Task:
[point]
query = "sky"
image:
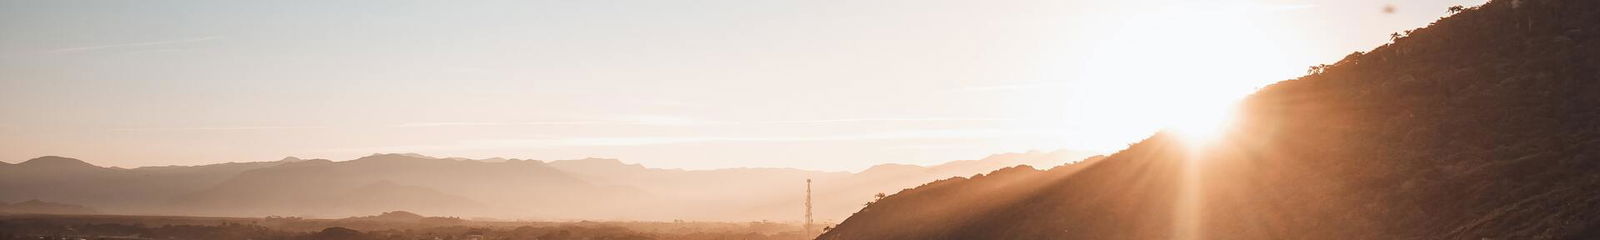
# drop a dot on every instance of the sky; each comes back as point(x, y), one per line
point(695, 84)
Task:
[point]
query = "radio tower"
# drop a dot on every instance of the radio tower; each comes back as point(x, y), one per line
point(808, 208)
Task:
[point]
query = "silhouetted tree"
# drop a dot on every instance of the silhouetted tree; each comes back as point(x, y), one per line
point(1318, 69)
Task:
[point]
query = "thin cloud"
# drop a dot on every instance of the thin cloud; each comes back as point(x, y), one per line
point(1008, 87)
point(676, 121)
point(468, 70)
point(666, 120)
point(136, 44)
point(910, 134)
point(226, 128)
point(1288, 7)
point(534, 143)
point(644, 120)
point(860, 120)
point(469, 124)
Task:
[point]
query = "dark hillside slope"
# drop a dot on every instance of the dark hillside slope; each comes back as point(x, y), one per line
point(1484, 125)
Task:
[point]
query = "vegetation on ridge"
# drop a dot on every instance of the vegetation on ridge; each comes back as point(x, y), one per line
point(1481, 125)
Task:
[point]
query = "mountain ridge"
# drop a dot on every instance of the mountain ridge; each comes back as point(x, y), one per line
point(1479, 126)
point(55, 162)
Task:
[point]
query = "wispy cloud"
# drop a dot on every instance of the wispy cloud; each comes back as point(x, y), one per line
point(535, 143)
point(667, 120)
point(680, 121)
point(469, 124)
point(926, 147)
point(1287, 7)
point(641, 121)
point(891, 135)
point(1008, 87)
point(136, 44)
point(224, 128)
point(863, 120)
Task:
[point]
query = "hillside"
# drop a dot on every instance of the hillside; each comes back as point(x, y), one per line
point(1479, 126)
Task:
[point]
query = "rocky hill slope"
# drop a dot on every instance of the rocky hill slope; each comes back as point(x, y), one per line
point(1483, 125)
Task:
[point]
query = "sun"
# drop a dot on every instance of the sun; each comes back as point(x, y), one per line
point(1203, 127)
point(1180, 69)
point(1184, 70)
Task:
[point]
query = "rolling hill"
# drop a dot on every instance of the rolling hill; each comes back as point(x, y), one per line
point(1482, 125)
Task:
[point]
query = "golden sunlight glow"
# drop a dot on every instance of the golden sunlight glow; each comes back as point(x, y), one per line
point(1204, 125)
point(1181, 68)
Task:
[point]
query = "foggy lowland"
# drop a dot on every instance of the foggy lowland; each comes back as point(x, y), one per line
point(780, 119)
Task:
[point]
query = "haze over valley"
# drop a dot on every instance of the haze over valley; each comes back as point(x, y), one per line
point(507, 189)
point(784, 120)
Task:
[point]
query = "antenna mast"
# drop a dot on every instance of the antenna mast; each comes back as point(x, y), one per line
point(808, 208)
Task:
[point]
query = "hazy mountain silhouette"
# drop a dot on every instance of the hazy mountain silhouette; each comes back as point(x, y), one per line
point(395, 219)
point(505, 188)
point(1480, 126)
point(139, 190)
point(398, 181)
point(56, 163)
point(761, 193)
point(395, 216)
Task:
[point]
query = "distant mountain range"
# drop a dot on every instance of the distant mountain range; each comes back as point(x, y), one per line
point(139, 190)
point(599, 189)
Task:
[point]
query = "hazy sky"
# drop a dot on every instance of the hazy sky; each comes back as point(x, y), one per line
point(836, 85)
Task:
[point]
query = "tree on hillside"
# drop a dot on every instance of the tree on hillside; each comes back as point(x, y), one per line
point(1318, 69)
